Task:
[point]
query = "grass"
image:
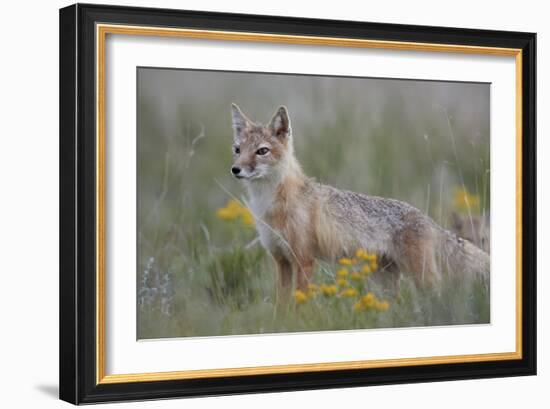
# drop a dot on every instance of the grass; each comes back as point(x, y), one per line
point(201, 271)
point(233, 293)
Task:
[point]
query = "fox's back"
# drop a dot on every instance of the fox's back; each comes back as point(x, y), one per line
point(358, 220)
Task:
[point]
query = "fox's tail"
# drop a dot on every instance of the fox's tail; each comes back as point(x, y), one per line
point(460, 256)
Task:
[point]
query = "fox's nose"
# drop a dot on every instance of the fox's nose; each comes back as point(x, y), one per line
point(235, 170)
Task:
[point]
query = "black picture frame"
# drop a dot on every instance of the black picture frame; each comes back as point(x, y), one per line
point(78, 313)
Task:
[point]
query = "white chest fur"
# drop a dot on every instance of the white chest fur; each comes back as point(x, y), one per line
point(261, 204)
point(261, 199)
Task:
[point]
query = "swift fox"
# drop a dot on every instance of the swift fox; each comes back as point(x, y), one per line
point(300, 220)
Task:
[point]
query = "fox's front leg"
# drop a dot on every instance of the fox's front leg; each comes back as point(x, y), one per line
point(284, 278)
point(304, 274)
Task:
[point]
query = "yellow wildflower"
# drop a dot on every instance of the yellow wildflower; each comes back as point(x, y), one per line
point(358, 306)
point(234, 210)
point(342, 273)
point(368, 300)
point(311, 290)
point(356, 276)
point(329, 290)
point(382, 305)
point(349, 292)
point(247, 218)
point(366, 269)
point(225, 214)
point(342, 282)
point(466, 201)
point(365, 255)
point(373, 266)
point(345, 261)
point(300, 297)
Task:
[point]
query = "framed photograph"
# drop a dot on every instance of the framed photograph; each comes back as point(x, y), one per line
point(257, 203)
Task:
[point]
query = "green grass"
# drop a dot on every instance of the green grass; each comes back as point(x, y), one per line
point(202, 276)
point(232, 292)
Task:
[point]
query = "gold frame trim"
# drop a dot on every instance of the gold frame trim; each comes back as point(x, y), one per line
point(101, 33)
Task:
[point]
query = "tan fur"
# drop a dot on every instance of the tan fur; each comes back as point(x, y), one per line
point(300, 220)
point(282, 219)
point(474, 228)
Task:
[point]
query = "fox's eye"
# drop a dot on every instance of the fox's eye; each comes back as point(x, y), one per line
point(237, 150)
point(262, 151)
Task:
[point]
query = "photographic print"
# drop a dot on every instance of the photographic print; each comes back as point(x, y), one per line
point(266, 203)
point(272, 203)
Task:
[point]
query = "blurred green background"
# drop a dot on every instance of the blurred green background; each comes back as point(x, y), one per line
point(418, 141)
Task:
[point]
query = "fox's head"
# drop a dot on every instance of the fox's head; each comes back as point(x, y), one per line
point(260, 151)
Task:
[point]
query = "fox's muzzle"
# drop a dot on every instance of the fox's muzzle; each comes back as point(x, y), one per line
point(236, 171)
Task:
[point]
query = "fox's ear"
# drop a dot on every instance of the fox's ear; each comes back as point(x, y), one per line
point(239, 120)
point(280, 123)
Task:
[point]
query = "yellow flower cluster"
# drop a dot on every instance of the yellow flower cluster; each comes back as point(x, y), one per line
point(234, 210)
point(362, 265)
point(349, 282)
point(465, 201)
point(346, 261)
point(350, 292)
point(356, 276)
point(328, 290)
point(312, 288)
point(370, 302)
point(302, 296)
point(342, 273)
